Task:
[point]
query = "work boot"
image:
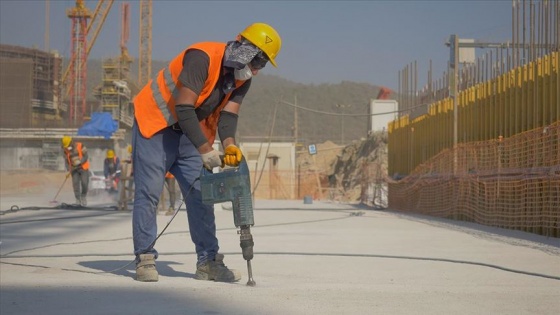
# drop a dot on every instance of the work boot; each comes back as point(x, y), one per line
point(146, 269)
point(78, 202)
point(83, 201)
point(217, 271)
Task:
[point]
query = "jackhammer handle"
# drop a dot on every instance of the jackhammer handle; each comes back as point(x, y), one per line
point(205, 171)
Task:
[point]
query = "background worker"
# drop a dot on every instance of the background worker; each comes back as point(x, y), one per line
point(177, 115)
point(111, 165)
point(77, 164)
point(170, 184)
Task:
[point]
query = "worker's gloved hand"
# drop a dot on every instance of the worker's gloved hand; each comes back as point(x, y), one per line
point(233, 155)
point(211, 159)
point(76, 161)
point(77, 168)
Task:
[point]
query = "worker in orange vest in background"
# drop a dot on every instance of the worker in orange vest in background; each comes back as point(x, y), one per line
point(111, 168)
point(76, 158)
point(170, 183)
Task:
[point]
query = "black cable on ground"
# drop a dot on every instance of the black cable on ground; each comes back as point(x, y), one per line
point(528, 273)
point(108, 209)
point(67, 206)
point(435, 259)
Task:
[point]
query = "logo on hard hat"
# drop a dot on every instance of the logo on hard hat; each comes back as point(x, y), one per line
point(268, 40)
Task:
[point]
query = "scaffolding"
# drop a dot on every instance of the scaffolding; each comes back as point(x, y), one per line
point(114, 92)
point(30, 91)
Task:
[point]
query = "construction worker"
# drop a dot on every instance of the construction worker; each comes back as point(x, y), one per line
point(111, 165)
point(170, 184)
point(177, 115)
point(77, 164)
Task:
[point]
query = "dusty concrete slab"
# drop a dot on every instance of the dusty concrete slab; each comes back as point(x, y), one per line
point(322, 258)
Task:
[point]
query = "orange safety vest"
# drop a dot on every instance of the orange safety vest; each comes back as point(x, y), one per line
point(154, 106)
point(80, 153)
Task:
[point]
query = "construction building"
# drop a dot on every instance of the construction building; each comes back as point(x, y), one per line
point(115, 94)
point(33, 116)
point(117, 87)
point(29, 88)
point(40, 102)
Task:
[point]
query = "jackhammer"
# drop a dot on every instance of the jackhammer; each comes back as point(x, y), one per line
point(233, 184)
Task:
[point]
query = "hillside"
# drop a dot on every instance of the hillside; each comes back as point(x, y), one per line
point(269, 94)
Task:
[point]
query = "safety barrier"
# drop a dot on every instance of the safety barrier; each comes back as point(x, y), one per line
point(505, 169)
point(506, 182)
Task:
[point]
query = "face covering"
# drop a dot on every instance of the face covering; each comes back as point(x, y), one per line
point(243, 74)
point(238, 54)
point(69, 148)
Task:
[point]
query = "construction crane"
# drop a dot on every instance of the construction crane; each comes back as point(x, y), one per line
point(114, 92)
point(125, 32)
point(83, 39)
point(145, 50)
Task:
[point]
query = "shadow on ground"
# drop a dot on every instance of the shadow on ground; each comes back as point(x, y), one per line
point(128, 268)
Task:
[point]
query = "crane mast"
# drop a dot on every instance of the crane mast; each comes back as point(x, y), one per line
point(78, 68)
point(145, 50)
point(83, 38)
point(125, 32)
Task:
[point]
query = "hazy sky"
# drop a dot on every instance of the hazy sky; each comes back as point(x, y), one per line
point(322, 41)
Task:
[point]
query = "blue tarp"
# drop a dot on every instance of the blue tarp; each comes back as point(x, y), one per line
point(101, 124)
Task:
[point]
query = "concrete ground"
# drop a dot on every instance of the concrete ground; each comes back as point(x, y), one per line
point(319, 258)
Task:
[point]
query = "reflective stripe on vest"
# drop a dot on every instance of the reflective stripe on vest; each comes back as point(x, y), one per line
point(154, 105)
point(77, 149)
point(161, 103)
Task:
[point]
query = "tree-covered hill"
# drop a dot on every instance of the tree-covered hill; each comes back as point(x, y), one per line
point(268, 105)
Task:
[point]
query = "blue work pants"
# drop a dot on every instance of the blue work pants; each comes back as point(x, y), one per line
point(169, 150)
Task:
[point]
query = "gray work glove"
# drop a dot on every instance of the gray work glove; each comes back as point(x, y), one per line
point(211, 159)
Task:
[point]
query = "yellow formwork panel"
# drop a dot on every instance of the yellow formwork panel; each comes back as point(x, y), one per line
point(522, 99)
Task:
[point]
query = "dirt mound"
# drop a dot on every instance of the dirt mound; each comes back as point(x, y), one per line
point(357, 165)
point(29, 181)
point(327, 154)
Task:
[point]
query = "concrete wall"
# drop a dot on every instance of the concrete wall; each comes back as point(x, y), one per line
point(16, 91)
point(20, 158)
point(256, 154)
point(27, 154)
point(381, 113)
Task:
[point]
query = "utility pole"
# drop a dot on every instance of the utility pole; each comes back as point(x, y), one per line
point(295, 122)
point(453, 70)
point(47, 25)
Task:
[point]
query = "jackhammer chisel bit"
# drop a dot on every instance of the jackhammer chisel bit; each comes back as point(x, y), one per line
point(233, 185)
point(247, 248)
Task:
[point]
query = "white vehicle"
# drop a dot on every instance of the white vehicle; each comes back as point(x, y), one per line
point(97, 182)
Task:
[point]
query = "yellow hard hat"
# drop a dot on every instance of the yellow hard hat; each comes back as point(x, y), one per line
point(265, 38)
point(129, 148)
point(66, 140)
point(110, 154)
